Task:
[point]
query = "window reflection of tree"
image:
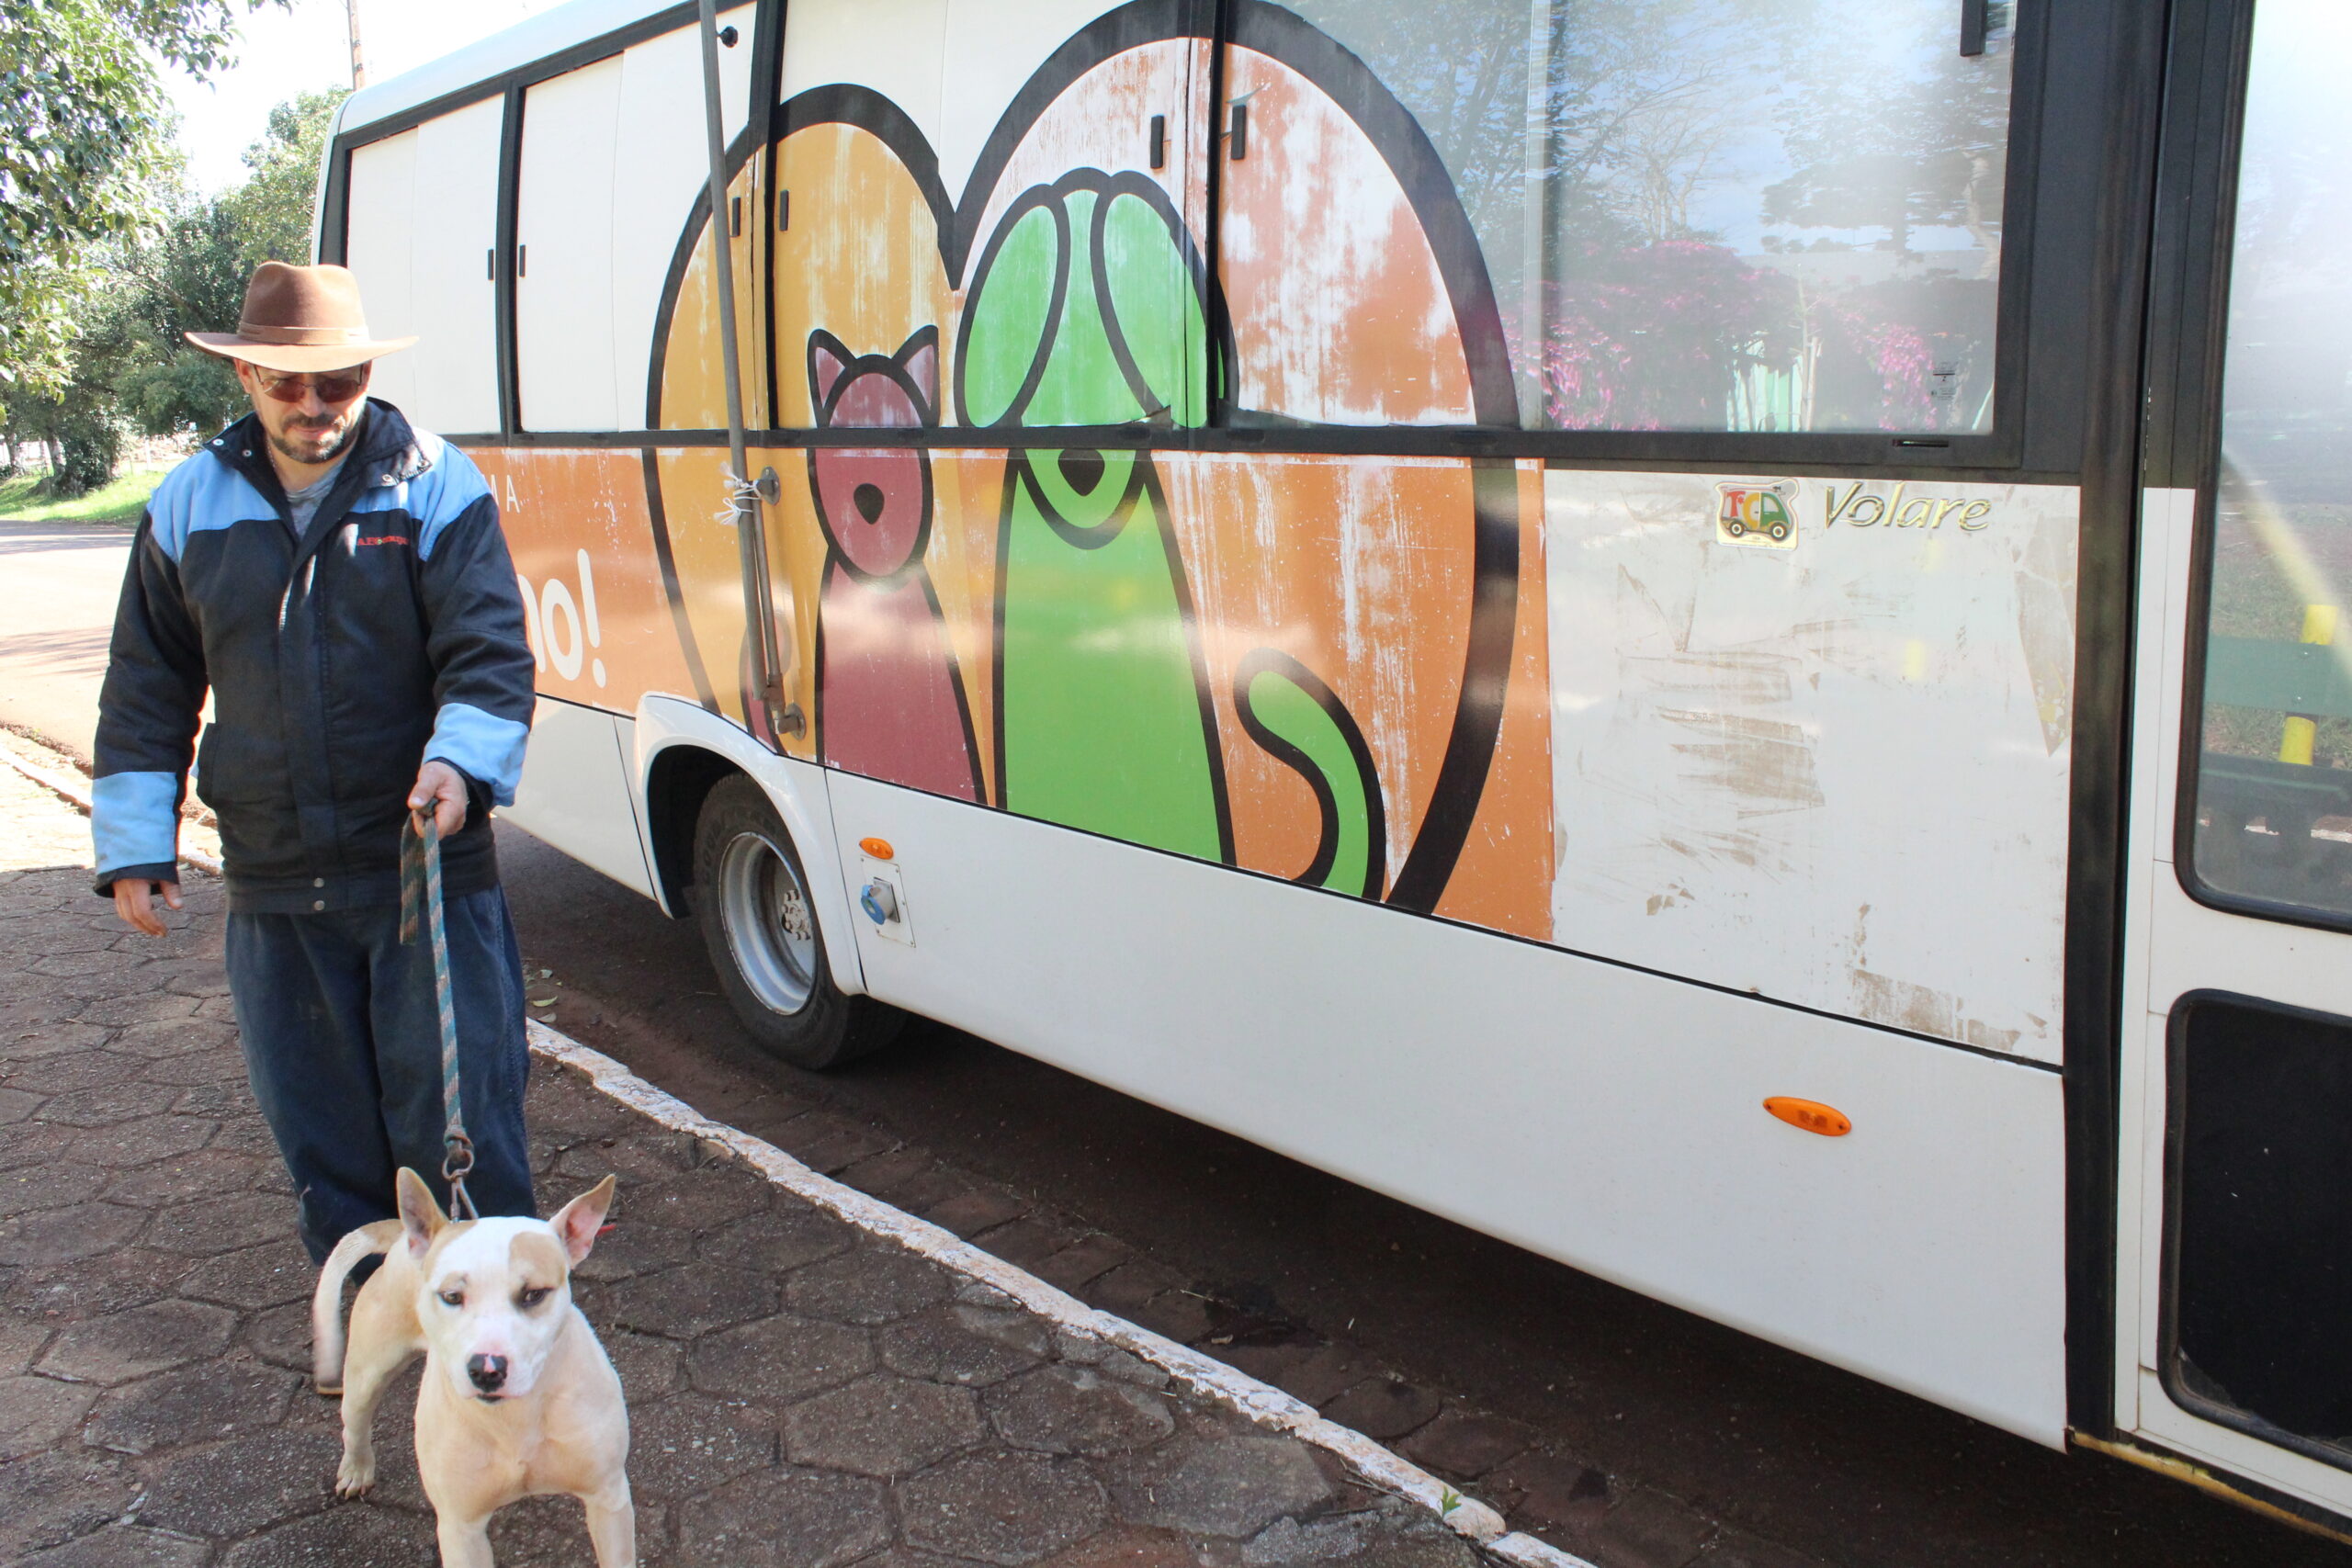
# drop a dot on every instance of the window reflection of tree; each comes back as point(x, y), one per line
point(1690, 168)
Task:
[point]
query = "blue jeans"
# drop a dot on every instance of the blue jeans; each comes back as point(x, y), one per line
point(342, 1044)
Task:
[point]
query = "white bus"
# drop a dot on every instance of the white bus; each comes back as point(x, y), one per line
point(1702, 633)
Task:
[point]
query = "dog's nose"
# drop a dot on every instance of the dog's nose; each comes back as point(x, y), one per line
point(488, 1372)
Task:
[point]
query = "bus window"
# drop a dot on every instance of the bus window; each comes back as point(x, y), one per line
point(379, 247)
point(425, 220)
point(589, 267)
point(564, 268)
point(1719, 215)
point(2273, 777)
point(842, 167)
point(876, 89)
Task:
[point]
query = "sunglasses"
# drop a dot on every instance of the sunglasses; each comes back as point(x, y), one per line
point(340, 387)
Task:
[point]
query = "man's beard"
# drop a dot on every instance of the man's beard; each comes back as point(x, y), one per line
point(293, 446)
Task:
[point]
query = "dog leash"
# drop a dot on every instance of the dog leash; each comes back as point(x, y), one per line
point(420, 895)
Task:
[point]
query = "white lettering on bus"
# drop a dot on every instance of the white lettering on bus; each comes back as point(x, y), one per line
point(588, 614)
point(581, 629)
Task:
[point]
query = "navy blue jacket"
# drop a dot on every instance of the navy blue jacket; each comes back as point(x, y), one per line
point(391, 632)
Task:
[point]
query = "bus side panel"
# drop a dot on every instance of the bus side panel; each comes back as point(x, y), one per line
point(588, 552)
point(1803, 737)
point(1812, 739)
point(1603, 1116)
point(575, 790)
point(604, 633)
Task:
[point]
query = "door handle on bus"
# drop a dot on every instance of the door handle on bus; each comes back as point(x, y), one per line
point(1237, 140)
point(1159, 141)
point(1976, 21)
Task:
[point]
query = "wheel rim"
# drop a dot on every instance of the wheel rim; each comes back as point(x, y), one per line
point(770, 929)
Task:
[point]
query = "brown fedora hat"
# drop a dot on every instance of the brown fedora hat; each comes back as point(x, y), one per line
point(299, 319)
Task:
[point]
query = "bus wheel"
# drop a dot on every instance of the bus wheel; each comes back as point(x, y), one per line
point(752, 901)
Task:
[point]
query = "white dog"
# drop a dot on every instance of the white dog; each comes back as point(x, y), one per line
point(518, 1400)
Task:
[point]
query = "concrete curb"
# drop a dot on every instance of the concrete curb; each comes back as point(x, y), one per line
point(1262, 1403)
point(75, 792)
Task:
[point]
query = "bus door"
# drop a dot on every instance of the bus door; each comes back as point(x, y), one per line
point(2234, 1279)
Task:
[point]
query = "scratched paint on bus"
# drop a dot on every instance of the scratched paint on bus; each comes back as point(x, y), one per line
point(1835, 775)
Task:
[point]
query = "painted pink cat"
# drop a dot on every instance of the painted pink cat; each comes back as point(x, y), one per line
point(890, 701)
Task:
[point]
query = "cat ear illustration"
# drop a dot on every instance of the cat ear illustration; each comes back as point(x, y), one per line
point(827, 357)
point(918, 357)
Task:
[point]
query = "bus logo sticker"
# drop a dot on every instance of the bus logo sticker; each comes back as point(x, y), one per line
point(1760, 514)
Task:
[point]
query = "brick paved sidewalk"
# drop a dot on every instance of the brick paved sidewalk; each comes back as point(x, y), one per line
point(802, 1393)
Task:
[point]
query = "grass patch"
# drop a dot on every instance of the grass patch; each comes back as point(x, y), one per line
point(120, 499)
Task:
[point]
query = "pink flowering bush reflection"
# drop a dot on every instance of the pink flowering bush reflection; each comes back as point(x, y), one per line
point(1684, 334)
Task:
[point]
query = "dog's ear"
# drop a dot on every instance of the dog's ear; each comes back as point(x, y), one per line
point(421, 1217)
point(576, 1223)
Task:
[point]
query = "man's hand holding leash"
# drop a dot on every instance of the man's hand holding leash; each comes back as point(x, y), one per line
point(439, 787)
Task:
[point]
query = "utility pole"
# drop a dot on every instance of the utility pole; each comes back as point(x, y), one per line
point(358, 60)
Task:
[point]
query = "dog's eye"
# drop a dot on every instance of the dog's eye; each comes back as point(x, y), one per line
point(532, 1295)
point(453, 1297)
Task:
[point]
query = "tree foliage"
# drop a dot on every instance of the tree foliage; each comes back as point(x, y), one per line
point(128, 367)
point(1662, 190)
point(190, 276)
point(84, 139)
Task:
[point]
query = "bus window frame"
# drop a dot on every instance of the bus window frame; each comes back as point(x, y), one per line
point(2055, 185)
point(2189, 320)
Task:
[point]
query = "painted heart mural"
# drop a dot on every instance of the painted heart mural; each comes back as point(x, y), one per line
point(1293, 664)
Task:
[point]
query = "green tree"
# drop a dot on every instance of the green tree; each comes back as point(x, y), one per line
point(83, 135)
point(190, 274)
point(128, 367)
point(274, 209)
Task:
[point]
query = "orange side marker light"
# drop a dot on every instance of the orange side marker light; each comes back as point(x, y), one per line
point(879, 847)
point(1810, 1114)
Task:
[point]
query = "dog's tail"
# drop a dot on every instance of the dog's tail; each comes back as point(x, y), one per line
point(326, 1300)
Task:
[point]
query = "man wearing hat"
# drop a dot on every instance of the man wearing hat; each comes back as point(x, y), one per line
point(336, 579)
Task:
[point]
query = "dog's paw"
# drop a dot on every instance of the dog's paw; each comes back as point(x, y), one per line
point(355, 1476)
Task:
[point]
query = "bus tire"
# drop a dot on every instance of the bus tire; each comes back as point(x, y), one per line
point(752, 900)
